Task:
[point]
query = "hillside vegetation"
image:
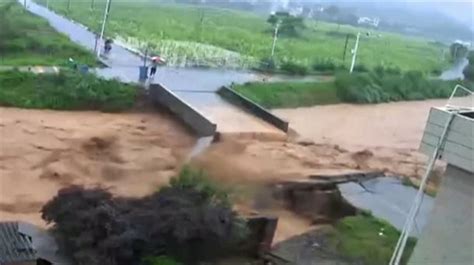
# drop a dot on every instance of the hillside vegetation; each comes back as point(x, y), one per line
point(26, 39)
point(193, 35)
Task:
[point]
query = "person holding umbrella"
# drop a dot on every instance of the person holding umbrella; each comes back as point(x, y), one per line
point(155, 61)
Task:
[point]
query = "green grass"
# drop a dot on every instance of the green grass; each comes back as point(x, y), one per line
point(357, 237)
point(64, 91)
point(178, 34)
point(26, 39)
point(289, 94)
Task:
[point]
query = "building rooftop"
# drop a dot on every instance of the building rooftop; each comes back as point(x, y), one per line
point(15, 246)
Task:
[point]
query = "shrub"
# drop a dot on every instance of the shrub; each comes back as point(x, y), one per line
point(181, 221)
point(379, 86)
point(360, 68)
point(468, 72)
point(324, 65)
point(268, 64)
point(436, 72)
point(294, 68)
point(65, 91)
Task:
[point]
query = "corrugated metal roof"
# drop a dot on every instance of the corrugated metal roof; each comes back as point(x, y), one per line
point(14, 246)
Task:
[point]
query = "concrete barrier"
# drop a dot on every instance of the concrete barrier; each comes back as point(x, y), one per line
point(247, 104)
point(190, 116)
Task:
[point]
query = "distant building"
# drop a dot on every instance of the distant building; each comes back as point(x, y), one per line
point(25, 244)
point(367, 21)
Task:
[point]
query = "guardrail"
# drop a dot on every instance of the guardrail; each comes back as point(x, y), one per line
point(252, 107)
point(189, 115)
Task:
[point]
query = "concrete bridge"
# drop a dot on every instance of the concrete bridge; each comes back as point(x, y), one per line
point(193, 90)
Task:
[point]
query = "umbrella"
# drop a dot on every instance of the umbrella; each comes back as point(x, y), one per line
point(158, 59)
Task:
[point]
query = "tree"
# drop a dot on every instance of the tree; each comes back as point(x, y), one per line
point(288, 25)
point(468, 71)
point(457, 51)
point(190, 220)
point(332, 11)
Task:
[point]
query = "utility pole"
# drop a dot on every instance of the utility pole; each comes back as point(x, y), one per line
point(47, 4)
point(24, 3)
point(275, 36)
point(354, 53)
point(106, 14)
point(92, 4)
point(345, 49)
point(68, 5)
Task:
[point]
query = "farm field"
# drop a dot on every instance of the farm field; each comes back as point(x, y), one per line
point(193, 35)
point(26, 39)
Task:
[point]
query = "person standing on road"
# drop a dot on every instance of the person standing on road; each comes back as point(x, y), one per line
point(154, 65)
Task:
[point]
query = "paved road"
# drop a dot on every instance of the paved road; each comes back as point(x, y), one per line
point(196, 87)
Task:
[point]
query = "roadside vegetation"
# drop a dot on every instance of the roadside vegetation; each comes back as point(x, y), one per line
point(67, 90)
point(380, 85)
point(205, 36)
point(368, 239)
point(26, 39)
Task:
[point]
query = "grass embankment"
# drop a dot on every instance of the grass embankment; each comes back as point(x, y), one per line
point(360, 88)
point(289, 94)
point(196, 33)
point(64, 91)
point(26, 39)
point(368, 239)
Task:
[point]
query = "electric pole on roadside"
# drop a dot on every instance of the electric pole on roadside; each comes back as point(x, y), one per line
point(47, 3)
point(68, 5)
point(275, 36)
point(345, 48)
point(354, 53)
point(102, 31)
point(92, 4)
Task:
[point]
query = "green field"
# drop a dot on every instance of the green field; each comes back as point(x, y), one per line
point(193, 35)
point(290, 94)
point(26, 39)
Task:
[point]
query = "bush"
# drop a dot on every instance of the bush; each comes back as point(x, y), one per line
point(294, 68)
point(181, 221)
point(380, 86)
point(468, 72)
point(65, 91)
point(361, 68)
point(324, 65)
point(268, 64)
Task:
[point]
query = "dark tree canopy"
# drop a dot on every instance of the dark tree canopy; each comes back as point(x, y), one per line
point(184, 220)
point(288, 25)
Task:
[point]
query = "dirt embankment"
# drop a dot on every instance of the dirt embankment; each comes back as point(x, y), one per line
point(42, 151)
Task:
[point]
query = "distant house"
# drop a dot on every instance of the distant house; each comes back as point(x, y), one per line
point(367, 21)
point(25, 244)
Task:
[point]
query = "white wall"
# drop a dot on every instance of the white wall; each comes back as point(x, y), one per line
point(448, 238)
